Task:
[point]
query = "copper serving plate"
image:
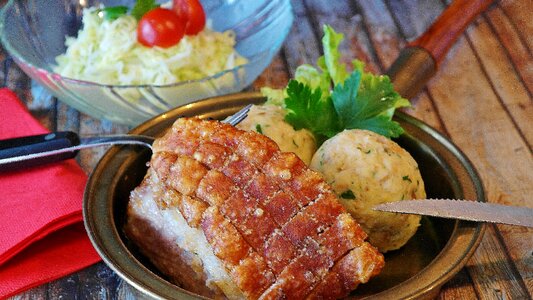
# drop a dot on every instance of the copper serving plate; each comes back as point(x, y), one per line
point(439, 250)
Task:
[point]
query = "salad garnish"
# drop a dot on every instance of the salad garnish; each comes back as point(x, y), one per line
point(142, 7)
point(160, 26)
point(107, 52)
point(112, 13)
point(358, 100)
point(193, 12)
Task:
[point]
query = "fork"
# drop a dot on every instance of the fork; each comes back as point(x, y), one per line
point(29, 151)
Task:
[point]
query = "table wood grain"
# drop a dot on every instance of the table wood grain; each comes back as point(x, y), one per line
point(481, 98)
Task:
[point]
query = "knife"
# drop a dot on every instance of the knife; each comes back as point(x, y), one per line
point(463, 210)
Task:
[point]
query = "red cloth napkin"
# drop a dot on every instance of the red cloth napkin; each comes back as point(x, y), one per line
point(41, 236)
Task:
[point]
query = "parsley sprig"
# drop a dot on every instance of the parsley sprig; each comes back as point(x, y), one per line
point(307, 109)
point(358, 100)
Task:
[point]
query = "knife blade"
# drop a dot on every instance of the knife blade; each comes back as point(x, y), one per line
point(463, 210)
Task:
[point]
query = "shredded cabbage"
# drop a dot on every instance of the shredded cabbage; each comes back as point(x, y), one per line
point(107, 52)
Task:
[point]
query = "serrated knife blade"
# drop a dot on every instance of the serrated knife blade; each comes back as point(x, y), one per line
point(463, 210)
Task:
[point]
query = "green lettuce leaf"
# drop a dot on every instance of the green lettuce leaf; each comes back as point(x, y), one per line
point(274, 96)
point(330, 45)
point(314, 78)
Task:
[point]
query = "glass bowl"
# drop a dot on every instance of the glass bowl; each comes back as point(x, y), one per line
point(34, 31)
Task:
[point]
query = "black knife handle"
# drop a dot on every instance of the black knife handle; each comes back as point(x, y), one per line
point(28, 145)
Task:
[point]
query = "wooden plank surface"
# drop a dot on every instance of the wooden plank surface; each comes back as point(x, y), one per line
point(481, 98)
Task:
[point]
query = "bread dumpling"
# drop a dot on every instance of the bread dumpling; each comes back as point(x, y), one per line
point(270, 121)
point(366, 169)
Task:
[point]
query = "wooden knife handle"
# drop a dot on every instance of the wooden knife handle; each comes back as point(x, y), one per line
point(419, 61)
point(443, 33)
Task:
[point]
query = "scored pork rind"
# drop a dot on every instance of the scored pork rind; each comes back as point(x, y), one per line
point(275, 226)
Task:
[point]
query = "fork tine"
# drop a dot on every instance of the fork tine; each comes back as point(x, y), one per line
point(238, 116)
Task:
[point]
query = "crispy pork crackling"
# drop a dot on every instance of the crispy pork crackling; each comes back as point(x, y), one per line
point(225, 214)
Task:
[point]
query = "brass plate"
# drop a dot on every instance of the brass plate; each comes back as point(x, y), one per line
point(434, 255)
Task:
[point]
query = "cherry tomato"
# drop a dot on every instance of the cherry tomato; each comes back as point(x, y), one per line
point(160, 27)
point(191, 11)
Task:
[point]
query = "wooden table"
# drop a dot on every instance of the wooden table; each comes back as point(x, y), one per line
point(481, 99)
